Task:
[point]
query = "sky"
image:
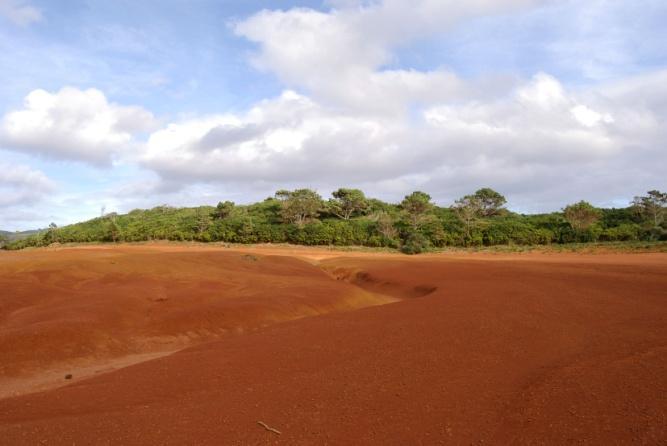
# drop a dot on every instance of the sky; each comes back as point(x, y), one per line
point(111, 106)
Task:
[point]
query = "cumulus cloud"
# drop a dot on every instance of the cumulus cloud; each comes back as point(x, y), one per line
point(302, 43)
point(339, 55)
point(353, 107)
point(540, 134)
point(20, 12)
point(349, 117)
point(277, 140)
point(73, 124)
point(539, 123)
point(20, 184)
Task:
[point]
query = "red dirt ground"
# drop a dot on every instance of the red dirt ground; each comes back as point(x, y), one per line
point(75, 309)
point(472, 349)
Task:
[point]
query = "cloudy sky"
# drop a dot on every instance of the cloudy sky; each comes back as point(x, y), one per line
point(127, 104)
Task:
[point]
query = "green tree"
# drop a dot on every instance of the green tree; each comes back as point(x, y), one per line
point(51, 235)
point(299, 206)
point(224, 210)
point(113, 229)
point(581, 215)
point(415, 207)
point(202, 221)
point(347, 202)
point(490, 202)
point(468, 210)
point(651, 206)
point(417, 213)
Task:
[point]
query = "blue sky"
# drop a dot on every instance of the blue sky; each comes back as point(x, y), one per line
point(131, 104)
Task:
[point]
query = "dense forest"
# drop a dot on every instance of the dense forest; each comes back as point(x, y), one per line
point(350, 218)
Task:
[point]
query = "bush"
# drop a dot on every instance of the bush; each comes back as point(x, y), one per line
point(512, 230)
point(623, 232)
point(415, 243)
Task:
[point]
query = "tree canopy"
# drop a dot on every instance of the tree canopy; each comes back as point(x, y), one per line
point(299, 206)
point(489, 201)
point(350, 218)
point(224, 210)
point(348, 202)
point(652, 206)
point(581, 215)
point(415, 206)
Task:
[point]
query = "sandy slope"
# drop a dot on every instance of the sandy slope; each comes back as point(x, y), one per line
point(481, 349)
point(83, 310)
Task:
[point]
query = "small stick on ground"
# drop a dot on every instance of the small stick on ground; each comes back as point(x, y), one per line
point(264, 425)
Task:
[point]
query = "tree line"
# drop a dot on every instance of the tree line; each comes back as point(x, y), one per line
point(414, 225)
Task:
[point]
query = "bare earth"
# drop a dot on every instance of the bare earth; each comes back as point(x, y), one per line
point(178, 345)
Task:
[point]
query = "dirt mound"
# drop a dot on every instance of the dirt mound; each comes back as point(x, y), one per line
point(71, 309)
point(528, 350)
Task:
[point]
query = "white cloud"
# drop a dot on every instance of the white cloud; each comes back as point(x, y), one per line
point(339, 56)
point(590, 118)
point(349, 117)
point(73, 124)
point(541, 134)
point(20, 185)
point(20, 12)
point(277, 140)
point(540, 123)
point(545, 92)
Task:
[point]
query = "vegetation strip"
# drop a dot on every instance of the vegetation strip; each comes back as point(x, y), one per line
point(349, 218)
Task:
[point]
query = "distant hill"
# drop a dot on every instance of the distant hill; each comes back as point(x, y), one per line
point(18, 235)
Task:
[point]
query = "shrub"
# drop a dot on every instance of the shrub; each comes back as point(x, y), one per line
point(415, 243)
point(623, 232)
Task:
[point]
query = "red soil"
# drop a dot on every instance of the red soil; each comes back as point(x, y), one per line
point(76, 309)
point(526, 349)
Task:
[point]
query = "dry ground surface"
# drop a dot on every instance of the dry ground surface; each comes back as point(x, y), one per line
point(170, 344)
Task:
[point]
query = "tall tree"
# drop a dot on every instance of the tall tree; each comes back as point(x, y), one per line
point(299, 206)
point(581, 215)
point(490, 202)
point(485, 202)
point(51, 235)
point(652, 206)
point(468, 209)
point(202, 220)
point(347, 202)
point(416, 206)
point(114, 229)
point(224, 210)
